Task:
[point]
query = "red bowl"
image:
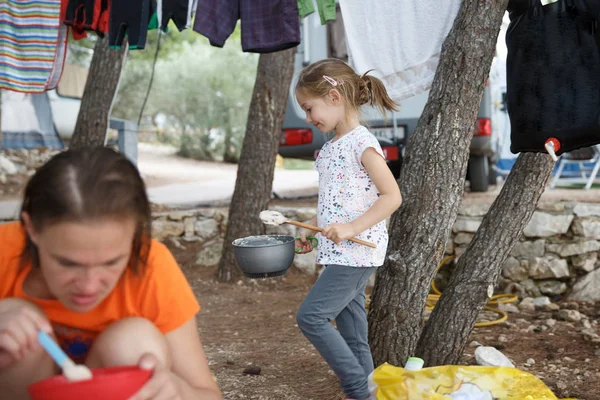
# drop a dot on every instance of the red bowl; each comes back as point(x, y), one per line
point(114, 383)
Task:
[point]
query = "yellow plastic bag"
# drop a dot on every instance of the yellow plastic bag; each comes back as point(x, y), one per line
point(447, 382)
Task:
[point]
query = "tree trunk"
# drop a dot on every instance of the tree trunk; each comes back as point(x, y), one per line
point(254, 183)
point(472, 283)
point(99, 94)
point(432, 181)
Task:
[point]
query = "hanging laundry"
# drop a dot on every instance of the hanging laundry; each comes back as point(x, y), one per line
point(553, 76)
point(130, 18)
point(267, 25)
point(326, 9)
point(180, 11)
point(86, 15)
point(32, 45)
point(400, 39)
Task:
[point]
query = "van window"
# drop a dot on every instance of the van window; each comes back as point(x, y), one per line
point(336, 37)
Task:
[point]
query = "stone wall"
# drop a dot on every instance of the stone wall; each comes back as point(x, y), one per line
point(556, 256)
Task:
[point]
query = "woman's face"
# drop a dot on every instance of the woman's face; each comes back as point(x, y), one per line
point(81, 262)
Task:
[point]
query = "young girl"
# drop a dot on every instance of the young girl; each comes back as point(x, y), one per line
point(357, 192)
point(81, 265)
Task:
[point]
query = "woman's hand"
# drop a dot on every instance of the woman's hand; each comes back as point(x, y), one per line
point(339, 232)
point(19, 326)
point(161, 385)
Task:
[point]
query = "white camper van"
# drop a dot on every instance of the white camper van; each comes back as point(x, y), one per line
point(302, 140)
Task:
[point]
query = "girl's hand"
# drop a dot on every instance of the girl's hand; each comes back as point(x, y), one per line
point(303, 245)
point(339, 232)
point(19, 326)
point(161, 385)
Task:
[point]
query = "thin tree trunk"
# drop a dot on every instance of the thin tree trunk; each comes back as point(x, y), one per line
point(477, 270)
point(254, 183)
point(99, 94)
point(432, 181)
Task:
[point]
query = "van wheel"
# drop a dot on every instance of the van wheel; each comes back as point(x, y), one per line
point(478, 170)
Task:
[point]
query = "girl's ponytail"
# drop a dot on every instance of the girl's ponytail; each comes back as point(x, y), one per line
point(373, 92)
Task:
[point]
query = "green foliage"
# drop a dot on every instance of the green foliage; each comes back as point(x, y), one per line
point(203, 92)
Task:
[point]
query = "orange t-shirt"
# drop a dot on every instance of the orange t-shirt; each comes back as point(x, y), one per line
point(161, 294)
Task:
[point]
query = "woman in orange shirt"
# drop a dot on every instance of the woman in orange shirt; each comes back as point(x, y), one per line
point(82, 266)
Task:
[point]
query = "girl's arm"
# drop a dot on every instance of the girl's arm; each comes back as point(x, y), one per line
point(189, 365)
point(390, 198)
point(388, 201)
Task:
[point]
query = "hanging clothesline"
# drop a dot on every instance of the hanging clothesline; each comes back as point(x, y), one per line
point(34, 34)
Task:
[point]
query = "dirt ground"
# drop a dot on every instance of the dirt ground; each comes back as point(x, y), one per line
point(252, 323)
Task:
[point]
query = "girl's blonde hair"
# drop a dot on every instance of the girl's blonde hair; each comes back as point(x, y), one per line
point(319, 78)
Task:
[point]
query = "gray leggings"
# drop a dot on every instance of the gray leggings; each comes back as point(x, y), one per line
point(339, 294)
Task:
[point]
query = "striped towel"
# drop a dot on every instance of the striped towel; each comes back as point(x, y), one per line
point(30, 40)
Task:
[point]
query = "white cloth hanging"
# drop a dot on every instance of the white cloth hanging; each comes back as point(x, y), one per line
point(400, 39)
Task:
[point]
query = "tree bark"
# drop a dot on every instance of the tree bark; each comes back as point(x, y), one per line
point(432, 181)
point(254, 183)
point(99, 95)
point(477, 270)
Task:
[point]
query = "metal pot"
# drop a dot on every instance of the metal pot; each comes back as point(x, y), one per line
point(264, 256)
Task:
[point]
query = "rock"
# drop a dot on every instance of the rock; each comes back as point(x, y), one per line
point(508, 308)
point(467, 224)
point(586, 324)
point(206, 229)
point(489, 356)
point(569, 315)
point(474, 210)
point(210, 253)
point(527, 304)
point(572, 305)
point(7, 167)
point(463, 238)
point(597, 353)
point(162, 229)
point(551, 323)
point(548, 267)
point(188, 226)
point(587, 227)
point(541, 301)
point(585, 262)
point(459, 251)
point(513, 270)
point(529, 249)
point(530, 288)
point(306, 263)
point(552, 288)
point(180, 215)
point(543, 224)
point(516, 289)
point(552, 307)
point(574, 248)
point(252, 370)
point(587, 210)
point(449, 247)
point(3, 178)
point(502, 339)
point(475, 344)
point(552, 207)
point(530, 362)
point(305, 214)
point(587, 288)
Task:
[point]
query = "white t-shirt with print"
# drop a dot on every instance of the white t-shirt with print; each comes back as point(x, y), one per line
point(345, 193)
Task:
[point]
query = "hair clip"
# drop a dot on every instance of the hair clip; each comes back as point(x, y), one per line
point(331, 80)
